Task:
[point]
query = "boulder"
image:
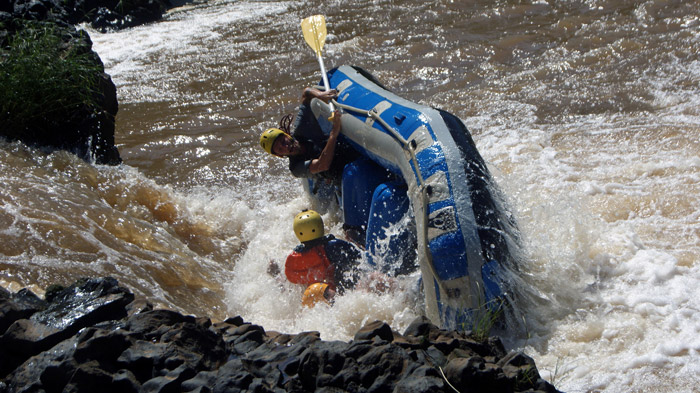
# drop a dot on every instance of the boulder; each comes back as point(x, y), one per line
point(54, 93)
point(91, 337)
point(83, 304)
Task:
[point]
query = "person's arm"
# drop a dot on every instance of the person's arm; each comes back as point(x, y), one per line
point(299, 167)
point(346, 258)
point(310, 93)
point(324, 161)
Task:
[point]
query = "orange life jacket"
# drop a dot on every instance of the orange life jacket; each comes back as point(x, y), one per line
point(310, 266)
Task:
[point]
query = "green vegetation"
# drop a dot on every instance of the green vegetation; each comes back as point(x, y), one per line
point(44, 80)
point(485, 318)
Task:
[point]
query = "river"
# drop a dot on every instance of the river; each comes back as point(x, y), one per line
point(587, 113)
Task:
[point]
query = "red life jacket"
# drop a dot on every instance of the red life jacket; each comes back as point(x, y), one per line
point(310, 266)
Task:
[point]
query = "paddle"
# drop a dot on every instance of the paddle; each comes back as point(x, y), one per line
point(314, 29)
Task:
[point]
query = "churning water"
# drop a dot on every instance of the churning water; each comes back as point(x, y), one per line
point(587, 112)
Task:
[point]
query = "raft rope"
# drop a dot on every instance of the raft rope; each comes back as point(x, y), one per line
point(406, 146)
point(404, 143)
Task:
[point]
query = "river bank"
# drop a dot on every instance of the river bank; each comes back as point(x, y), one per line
point(95, 336)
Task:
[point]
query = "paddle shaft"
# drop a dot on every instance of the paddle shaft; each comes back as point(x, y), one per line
point(325, 79)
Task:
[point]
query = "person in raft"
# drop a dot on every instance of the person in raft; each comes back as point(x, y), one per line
point(321, 258)
point(326, 265)
point(311, 153)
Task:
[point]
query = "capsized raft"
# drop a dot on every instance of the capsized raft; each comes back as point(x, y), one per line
point(465, 239)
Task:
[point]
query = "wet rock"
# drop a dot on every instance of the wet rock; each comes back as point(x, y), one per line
point(201, 383)
point(171, 382)
point(420, 385)
point(475, 373)
point(378, 329)
point(137, 349)
point(420, 327)
point(125, 381)
point(83, 304)
point(17, 306)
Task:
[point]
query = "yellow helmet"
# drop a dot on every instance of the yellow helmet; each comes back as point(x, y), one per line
point(308, 225)
point(313, 294)
point(268, 138)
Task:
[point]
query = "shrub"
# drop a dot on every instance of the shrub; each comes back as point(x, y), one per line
point(45, 81)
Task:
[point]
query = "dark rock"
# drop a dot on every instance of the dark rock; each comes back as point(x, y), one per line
point(248, 341)
point(375, 329)
point(492, 346)
point(164, 351)
point(104, 346)
point(201, 383)
point(18, 306)
point(358, 349)
point(369, 375)
point(435, 356)
point(145, 359)
point(445, 344)
point(197, 339)
point(55, 365)
point(140, 356)
point(474, 373)
point(87, 377)
point(305, 339)
point(84, 127)
point(137, 307)
point(421, 326)
point(522, 369)
point(232, 377)
point(125, 381)
point(237, 320)
point(171, 382)
point(381, 384)
point(349, 375)
point(147, 323)
point(85, 303)
point(104, 15)
point(52, 291)
point(420, 385)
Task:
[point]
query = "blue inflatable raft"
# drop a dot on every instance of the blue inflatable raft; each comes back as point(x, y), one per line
point(422, 157)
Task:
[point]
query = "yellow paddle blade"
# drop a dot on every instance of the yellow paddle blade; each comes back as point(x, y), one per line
point(314, 29)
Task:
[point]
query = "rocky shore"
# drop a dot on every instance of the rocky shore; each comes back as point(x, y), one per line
point(54, 93)
point(94, 336)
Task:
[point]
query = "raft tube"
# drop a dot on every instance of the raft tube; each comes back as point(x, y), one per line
point(463, 235)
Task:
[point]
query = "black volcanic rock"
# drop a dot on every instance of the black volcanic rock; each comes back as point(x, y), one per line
point(91, 337)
